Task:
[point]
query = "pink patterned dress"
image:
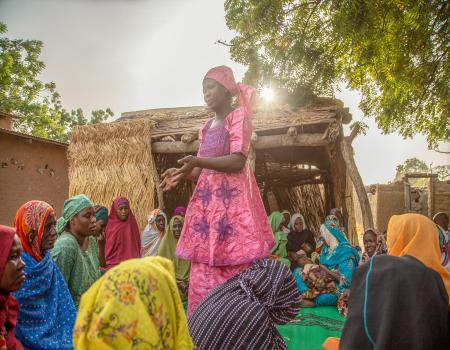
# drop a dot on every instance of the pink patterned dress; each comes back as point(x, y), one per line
point(226, 226)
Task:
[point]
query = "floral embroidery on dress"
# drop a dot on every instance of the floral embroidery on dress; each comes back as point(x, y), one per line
point(226, 192)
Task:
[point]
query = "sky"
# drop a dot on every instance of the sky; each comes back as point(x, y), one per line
point(131, 55)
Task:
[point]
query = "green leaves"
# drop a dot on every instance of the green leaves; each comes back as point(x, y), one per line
point(394, 52)
point(37, 105)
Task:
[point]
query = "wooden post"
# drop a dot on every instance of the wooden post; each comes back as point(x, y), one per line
point(431, 203)
point(353, 173)
point(159, 191)
point(252, 157)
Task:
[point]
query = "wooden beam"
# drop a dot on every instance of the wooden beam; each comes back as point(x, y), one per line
point(419, 175)
point(262, 142)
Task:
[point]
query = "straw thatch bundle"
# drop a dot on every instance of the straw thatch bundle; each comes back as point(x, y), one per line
point(114, 159)
point(307, 200)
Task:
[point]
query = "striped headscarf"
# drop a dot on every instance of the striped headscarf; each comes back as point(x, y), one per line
point(242, 313)
point(31, 218)
point(135, 305)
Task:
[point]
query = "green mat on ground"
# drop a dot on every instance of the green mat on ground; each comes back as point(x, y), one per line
point(312, 327)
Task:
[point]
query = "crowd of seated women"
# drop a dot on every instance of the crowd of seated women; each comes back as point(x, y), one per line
point(90, 280)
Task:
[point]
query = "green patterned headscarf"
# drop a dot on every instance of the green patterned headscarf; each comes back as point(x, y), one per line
point(72, 207)
point(101, 213)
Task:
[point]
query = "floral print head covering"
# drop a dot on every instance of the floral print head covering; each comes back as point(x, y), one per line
point(30, 223)
point(135, 305)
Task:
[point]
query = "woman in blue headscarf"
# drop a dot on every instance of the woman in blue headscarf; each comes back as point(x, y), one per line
point(338, 258)
point(46, 310)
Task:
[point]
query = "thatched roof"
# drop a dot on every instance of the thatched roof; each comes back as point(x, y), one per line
point(175, 122)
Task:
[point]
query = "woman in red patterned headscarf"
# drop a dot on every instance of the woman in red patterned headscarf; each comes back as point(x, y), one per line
point(226, 226)
point(11, 278)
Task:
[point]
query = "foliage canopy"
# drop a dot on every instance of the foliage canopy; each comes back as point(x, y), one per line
point(395, 52)
point(37, 105)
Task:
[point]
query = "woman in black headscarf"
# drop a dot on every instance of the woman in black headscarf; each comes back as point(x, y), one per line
point(242, 313)
point(300, 239)
point(384, 313)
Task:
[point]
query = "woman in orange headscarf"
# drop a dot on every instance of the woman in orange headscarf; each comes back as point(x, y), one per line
point(381, 314)
point(417, 235)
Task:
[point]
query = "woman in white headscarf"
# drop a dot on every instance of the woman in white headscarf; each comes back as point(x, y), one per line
point(153, 233)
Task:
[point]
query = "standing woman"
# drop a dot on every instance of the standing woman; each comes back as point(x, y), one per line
point(153, 233)
point(46, 310)
point(167, 250)
point(123, 240)
point(11, 278)
point(76, 251)
point(226, 227)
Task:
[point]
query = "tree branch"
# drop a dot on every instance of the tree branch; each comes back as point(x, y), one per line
point(223, 43)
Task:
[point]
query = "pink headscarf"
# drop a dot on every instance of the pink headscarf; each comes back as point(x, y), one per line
point(179, 211)
point(8, 304)
point(123, 240)
point(224, 75)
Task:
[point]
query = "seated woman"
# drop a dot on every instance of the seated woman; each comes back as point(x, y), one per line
point(286, 221)
point(133, 306)
point(167, 250)
point(123, 240)
point(416, 235)
point(279, 251)
point(300, 241)
point(374, 244)
point(242, 312)
point(153, 233)
point(101, 220)
point(76, 251)
point(12, 276)
point(338, 259)
point(46, 310)
point(381, 314)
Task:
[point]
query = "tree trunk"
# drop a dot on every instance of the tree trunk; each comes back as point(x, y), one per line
point(353, 173)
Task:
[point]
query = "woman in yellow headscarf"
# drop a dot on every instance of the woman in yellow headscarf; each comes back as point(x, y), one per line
point(135, 305)
point(417, 235)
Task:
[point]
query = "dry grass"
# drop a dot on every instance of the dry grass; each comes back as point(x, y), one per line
point(114, 159)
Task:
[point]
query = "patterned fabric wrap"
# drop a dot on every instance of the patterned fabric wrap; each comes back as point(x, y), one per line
point(46, 310)
point(343, 257)
point(242, 313)
point(133, 306)
point(31, 217)
point(226, 223)
point(72, 207)
point(381, 245)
